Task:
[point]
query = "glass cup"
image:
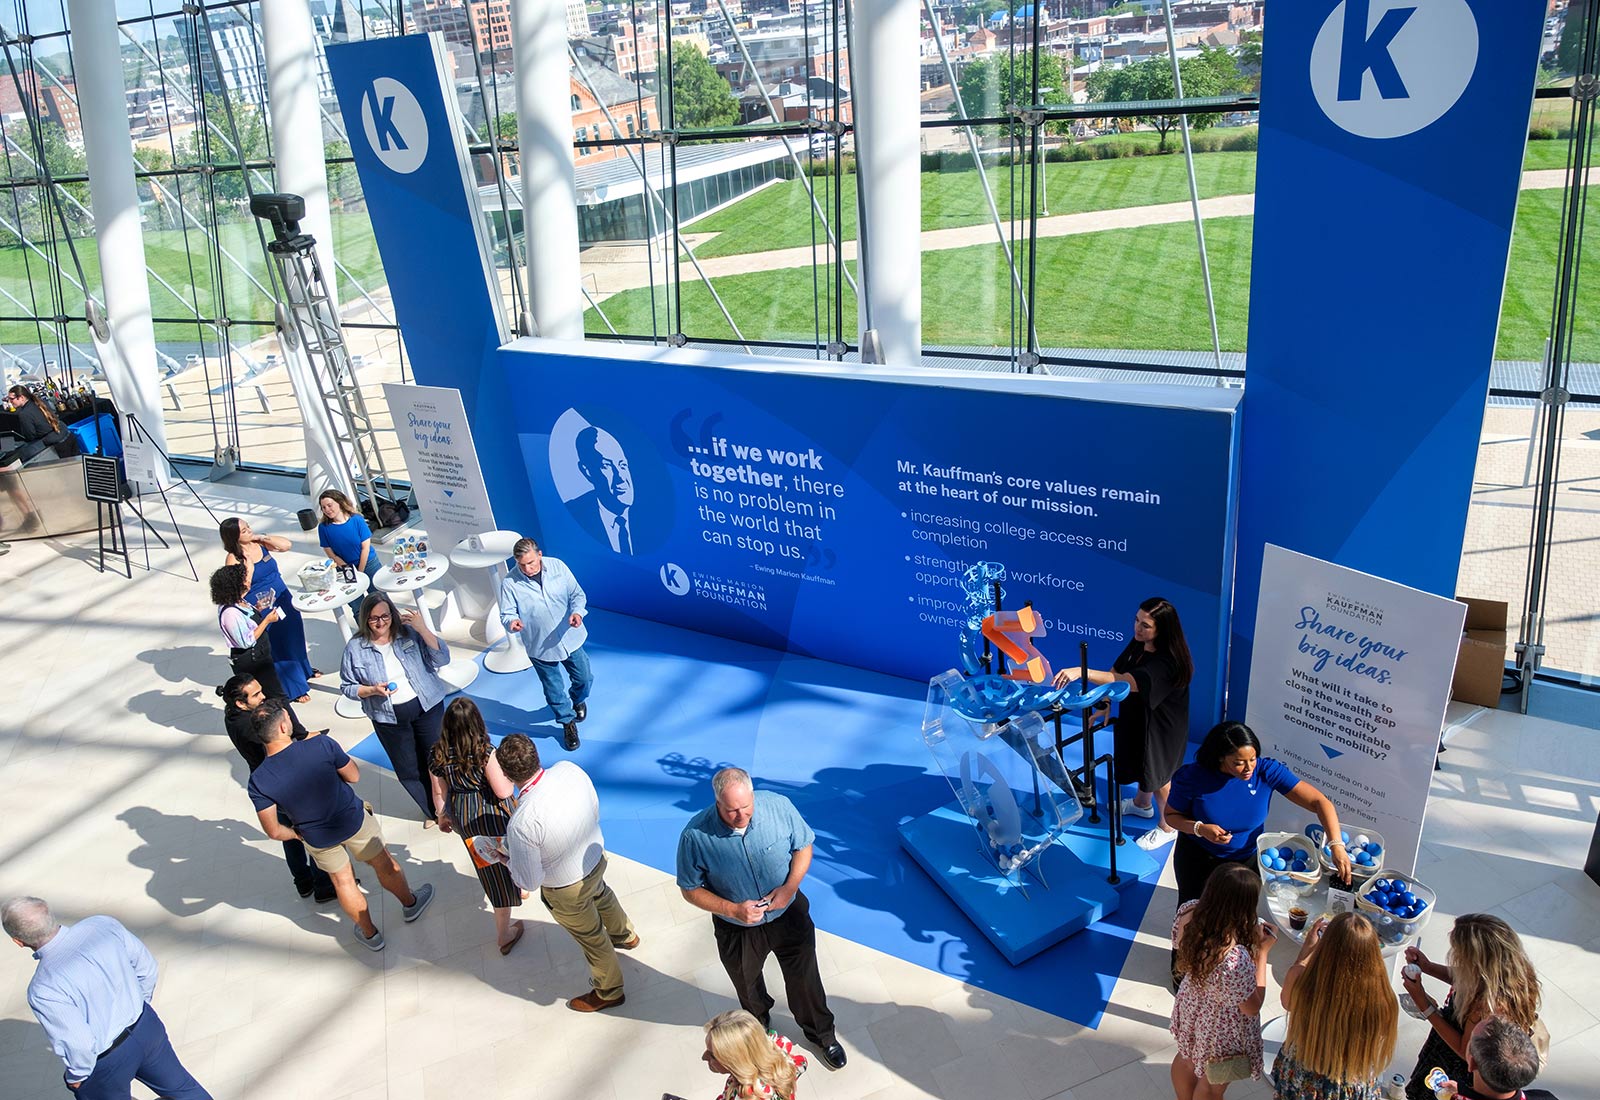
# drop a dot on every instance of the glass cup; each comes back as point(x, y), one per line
point(1297, 918)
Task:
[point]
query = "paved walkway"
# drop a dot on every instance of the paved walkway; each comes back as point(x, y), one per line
point(611, 269)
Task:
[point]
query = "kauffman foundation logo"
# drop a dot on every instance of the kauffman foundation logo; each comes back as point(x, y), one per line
point(395, 126)
point(1388, 68)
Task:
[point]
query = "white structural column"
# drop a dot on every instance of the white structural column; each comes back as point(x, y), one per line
point(886, 69)
point(544, 141)
point(128, 357)
point(289, 42)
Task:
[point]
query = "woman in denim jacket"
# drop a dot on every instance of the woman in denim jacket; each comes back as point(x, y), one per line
point(392, 668)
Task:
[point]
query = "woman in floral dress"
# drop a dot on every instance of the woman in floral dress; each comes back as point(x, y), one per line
point(760, 1064)
point(1222, 957)
point(1343, 1015)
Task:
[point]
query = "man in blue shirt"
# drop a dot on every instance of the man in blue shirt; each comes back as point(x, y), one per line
point(91, 994)
point(742, 861)
point(543, 602)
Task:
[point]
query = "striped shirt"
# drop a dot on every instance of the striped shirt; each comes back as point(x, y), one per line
point(92, 983)
point(554, 837)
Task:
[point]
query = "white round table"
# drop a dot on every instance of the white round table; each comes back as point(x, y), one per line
point(504, 655)
point(458, 673)
point(337, 598)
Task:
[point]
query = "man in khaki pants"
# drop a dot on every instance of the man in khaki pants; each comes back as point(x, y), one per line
point(553, 844)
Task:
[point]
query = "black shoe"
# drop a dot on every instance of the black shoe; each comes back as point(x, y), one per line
point(304, 890)
point(570, 736)
point(581, 710)
point(833, 1055)
point(322, 898)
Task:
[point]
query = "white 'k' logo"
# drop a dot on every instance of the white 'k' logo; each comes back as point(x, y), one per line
point(396, 128)
point(1388, 68)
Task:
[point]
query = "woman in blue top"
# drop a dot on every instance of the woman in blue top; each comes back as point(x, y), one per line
point(1219, 805)
point(344, 534)
point(267, 590)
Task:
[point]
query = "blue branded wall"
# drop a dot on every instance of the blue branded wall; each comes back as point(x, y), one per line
point(1386, 183)
point(406, 140)
point(833, 515)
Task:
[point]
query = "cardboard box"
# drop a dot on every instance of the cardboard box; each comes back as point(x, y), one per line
point(1481, 664)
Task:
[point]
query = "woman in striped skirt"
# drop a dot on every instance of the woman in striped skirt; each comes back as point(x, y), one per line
point(465, 776)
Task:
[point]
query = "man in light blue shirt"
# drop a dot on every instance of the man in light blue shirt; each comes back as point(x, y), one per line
point(542, 601)
point(91, 994)
point(742, 860)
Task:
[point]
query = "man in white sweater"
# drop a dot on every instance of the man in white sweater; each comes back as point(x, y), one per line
point(553, 845)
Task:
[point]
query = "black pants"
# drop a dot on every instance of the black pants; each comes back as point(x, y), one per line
point(409, 741)
point(793, 938)
point(1193, 862)
point(307, 875)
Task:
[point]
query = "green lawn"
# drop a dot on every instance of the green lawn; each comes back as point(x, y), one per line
point(183, 263)
point(1125, 288)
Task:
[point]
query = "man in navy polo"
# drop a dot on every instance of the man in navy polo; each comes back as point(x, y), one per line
point(742, 861)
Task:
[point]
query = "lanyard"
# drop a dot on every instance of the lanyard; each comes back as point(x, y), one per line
point(530, 784)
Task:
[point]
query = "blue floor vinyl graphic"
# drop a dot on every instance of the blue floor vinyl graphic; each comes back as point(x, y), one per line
point(671, 706)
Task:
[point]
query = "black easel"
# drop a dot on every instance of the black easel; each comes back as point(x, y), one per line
point(102, 483)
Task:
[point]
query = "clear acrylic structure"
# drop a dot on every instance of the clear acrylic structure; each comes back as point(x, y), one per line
point(1011, 787)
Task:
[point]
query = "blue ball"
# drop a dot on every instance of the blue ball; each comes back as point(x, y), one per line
point(1279, 865)
point(1301, 865)
point(1266, 859)
point(1344, 836)
point(1375, 848)
point(1364, 859)
point(1285, 851)
point(1422, 903)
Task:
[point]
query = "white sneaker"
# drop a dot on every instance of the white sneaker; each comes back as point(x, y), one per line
point(1156, 838)
point(1133, 809)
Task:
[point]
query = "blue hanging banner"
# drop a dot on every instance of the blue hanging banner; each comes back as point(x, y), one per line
point(1392, 134)
point(406, 139)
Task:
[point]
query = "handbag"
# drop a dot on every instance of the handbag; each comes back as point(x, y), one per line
point(1219, 1071)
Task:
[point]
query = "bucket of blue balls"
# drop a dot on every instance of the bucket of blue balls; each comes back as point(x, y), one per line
point(1397, 905)
point(1365, 847)
point(1288, 863)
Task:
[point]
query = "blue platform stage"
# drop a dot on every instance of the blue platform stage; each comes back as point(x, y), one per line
point(670, 706)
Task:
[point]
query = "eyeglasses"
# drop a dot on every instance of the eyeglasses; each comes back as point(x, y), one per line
point(376, 619)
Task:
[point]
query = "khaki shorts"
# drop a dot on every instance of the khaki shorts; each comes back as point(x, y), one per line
point(365, 845)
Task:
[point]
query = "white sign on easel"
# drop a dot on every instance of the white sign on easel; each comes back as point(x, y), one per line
point(436, 440)
point(141, 461)
point(1349, 681)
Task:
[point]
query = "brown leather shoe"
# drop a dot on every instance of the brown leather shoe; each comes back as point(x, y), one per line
point(628, 944)
point(593, 1002)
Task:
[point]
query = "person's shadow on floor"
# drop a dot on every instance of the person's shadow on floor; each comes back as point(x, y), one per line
point(188, 859)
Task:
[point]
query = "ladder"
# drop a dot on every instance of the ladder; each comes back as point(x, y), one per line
point(316, 322)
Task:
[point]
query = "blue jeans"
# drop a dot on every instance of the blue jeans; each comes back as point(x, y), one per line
point(560, 696)
point(145, 1055)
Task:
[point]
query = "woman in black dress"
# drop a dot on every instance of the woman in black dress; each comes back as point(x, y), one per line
point(37, 427)
point(465, 776)
point(1152, 725)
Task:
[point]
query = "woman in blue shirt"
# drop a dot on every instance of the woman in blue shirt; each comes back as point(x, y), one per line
point(1219, 806)
point(343, 532)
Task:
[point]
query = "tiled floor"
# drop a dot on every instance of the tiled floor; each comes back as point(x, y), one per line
point(125, 799)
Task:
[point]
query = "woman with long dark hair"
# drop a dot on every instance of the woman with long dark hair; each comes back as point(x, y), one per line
point(246, 630)
point(1221, 948)
point(1152, 726)
point(1218, 805)
point(391, 667)
point(1343, 1015)
point(268, 591)
point(37, 427)
point(466, 780)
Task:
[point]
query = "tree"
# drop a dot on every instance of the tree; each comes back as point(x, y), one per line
point(1569, 48)
point(1249, 59)
point(1214, 72)
point(701, 98)
point(991, 86)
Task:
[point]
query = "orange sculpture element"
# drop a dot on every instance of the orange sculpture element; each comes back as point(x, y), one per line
point(1012, 633)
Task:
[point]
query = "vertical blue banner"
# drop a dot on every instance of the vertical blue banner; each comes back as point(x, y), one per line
point(1392, 134)
point(405, 137)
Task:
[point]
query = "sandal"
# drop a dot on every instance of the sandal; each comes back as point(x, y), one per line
point(505, 948)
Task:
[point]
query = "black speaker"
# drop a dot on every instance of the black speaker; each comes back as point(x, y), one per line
point(308, 519)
